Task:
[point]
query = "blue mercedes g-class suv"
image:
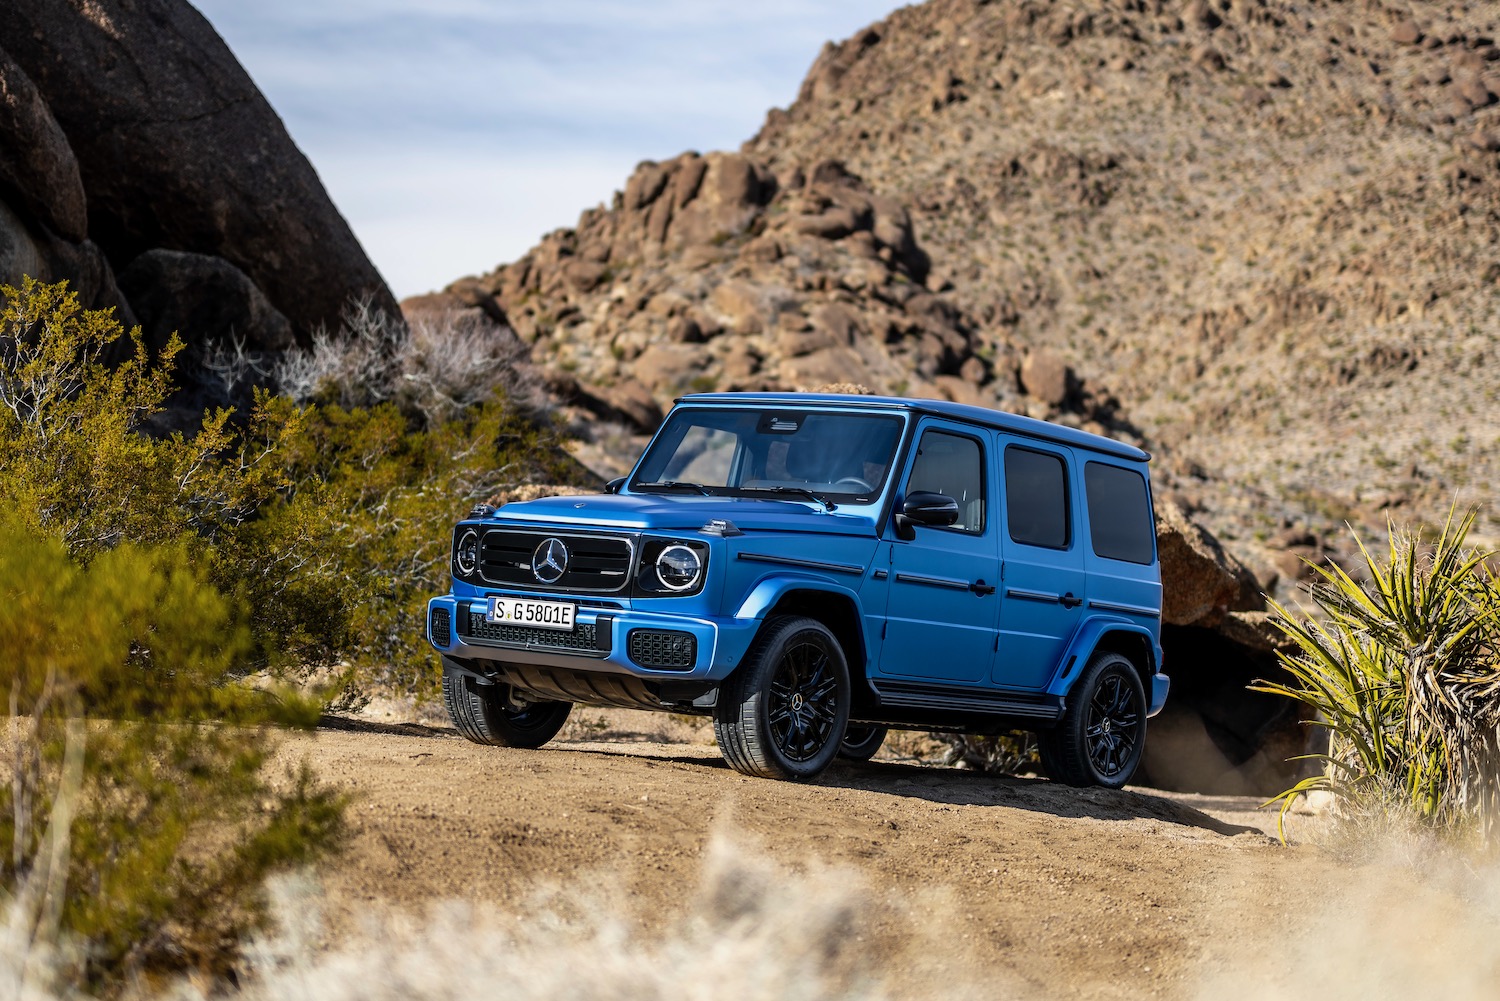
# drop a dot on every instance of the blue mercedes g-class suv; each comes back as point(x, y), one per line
point(813, 569)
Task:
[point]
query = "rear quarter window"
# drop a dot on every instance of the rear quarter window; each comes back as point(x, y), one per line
point(1120, 522)
point(1036, 498)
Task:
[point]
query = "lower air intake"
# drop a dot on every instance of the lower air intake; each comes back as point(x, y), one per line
point(663, 650)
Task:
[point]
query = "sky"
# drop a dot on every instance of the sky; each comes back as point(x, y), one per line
point(452, 134)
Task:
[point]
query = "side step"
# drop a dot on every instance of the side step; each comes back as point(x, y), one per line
point(952, 698)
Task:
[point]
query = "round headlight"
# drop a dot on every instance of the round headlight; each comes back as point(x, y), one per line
point(678, 567)
point(466, 553)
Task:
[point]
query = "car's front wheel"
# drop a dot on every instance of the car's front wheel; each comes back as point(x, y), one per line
point(492, 714)
point(782, 715)
point(1101, 737)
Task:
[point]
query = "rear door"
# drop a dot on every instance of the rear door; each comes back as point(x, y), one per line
point(1121, 558)
point(1045, 584)
point(941, 614)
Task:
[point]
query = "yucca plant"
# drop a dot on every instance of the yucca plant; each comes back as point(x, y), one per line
point(1403, 669)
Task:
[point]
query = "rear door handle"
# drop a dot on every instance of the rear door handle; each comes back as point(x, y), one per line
point(980, 588)
point(1068, 601)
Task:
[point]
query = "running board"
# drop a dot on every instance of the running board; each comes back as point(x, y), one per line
point(950, 698)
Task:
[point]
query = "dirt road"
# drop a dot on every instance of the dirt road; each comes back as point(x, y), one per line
point(1044, 889)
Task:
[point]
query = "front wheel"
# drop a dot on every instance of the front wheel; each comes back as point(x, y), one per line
point(783, 713)
point(492, 714)
point(1102, 735)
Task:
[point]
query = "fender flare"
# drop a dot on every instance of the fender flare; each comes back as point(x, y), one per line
point(1086, 640)
point(768, 591)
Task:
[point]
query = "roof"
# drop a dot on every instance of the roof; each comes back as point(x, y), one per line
point(998, 419)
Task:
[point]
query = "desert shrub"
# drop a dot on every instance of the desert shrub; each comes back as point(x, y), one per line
point(1001, 754)
point(778, 936)
point(381, 498)
point(433, 368)
point(138, 819)
point(330, 521)
point(76, 465)
point(1403, 669)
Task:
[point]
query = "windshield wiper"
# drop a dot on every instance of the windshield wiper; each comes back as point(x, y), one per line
point(796, 492)
point(674, 485)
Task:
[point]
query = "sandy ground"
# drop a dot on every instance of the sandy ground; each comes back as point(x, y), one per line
point(1044, 890)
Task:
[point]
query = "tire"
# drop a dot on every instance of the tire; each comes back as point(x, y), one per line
point(485, 715)
point(782, 714)
point(1102, 734)
point(861, 742)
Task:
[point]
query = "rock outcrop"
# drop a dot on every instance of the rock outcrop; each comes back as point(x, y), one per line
point(711, 272)
point(129, 131)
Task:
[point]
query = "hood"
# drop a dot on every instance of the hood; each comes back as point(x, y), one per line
point(637, 512)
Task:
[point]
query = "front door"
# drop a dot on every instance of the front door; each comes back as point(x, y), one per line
point(942, 614)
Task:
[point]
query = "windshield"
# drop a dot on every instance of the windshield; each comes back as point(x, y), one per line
point(845, 456)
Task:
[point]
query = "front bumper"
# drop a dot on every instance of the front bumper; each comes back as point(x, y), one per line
point(610, 640)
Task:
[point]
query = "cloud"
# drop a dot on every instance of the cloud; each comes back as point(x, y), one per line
point(543, 108)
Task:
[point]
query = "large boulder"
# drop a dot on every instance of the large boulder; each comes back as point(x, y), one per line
point(37, 167)
point(177, 149)
point(1201, 581)
point(203, 297)
point(27, 249)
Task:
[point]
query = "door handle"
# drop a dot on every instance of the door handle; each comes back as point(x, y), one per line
point(980, 588)
point(1068, 601)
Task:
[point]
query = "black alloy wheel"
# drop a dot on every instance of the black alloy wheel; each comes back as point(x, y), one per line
point(782, 714)
point(861, 741)
point(1114, 726)
point(803, 700)
point(1102, 735)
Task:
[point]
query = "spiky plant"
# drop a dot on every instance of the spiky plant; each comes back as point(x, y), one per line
point(1403, 669)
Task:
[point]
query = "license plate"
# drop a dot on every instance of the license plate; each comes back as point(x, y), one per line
point(534, 614)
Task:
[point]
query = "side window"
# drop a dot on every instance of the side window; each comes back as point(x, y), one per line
point(1036, 498)
point(952, 464)
point(1120, 522)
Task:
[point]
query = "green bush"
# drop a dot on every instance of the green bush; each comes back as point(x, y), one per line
point(138, 817)
point(331, 524)
point(377, 498)
point(75, 465)
point(1403, 670)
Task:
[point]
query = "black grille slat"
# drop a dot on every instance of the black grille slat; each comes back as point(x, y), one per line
point(666, 650)
point(595, 563)
point(582, 637)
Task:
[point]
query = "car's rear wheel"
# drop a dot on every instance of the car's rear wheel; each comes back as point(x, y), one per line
point(782, 715)
point(861, 742)
point(493, 714)
point(1101, 737)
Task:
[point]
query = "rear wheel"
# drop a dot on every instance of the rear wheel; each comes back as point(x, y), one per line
point(861, 742)
point(1103, 732)
point(493, 714)
point(783, 713)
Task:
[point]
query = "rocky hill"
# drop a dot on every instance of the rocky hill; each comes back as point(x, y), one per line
point(1257, 235)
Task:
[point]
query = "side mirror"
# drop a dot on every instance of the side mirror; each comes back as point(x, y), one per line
point(923, 507)
point(614, 485)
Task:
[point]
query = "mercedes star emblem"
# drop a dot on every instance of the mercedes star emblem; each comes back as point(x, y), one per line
point(550, 561)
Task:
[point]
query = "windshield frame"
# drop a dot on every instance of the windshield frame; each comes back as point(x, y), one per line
point(682, 418)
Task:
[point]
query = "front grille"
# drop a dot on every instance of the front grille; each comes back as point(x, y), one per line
point(663, 649)
point(599, 563)
point(583, 637)
point(442, 635)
